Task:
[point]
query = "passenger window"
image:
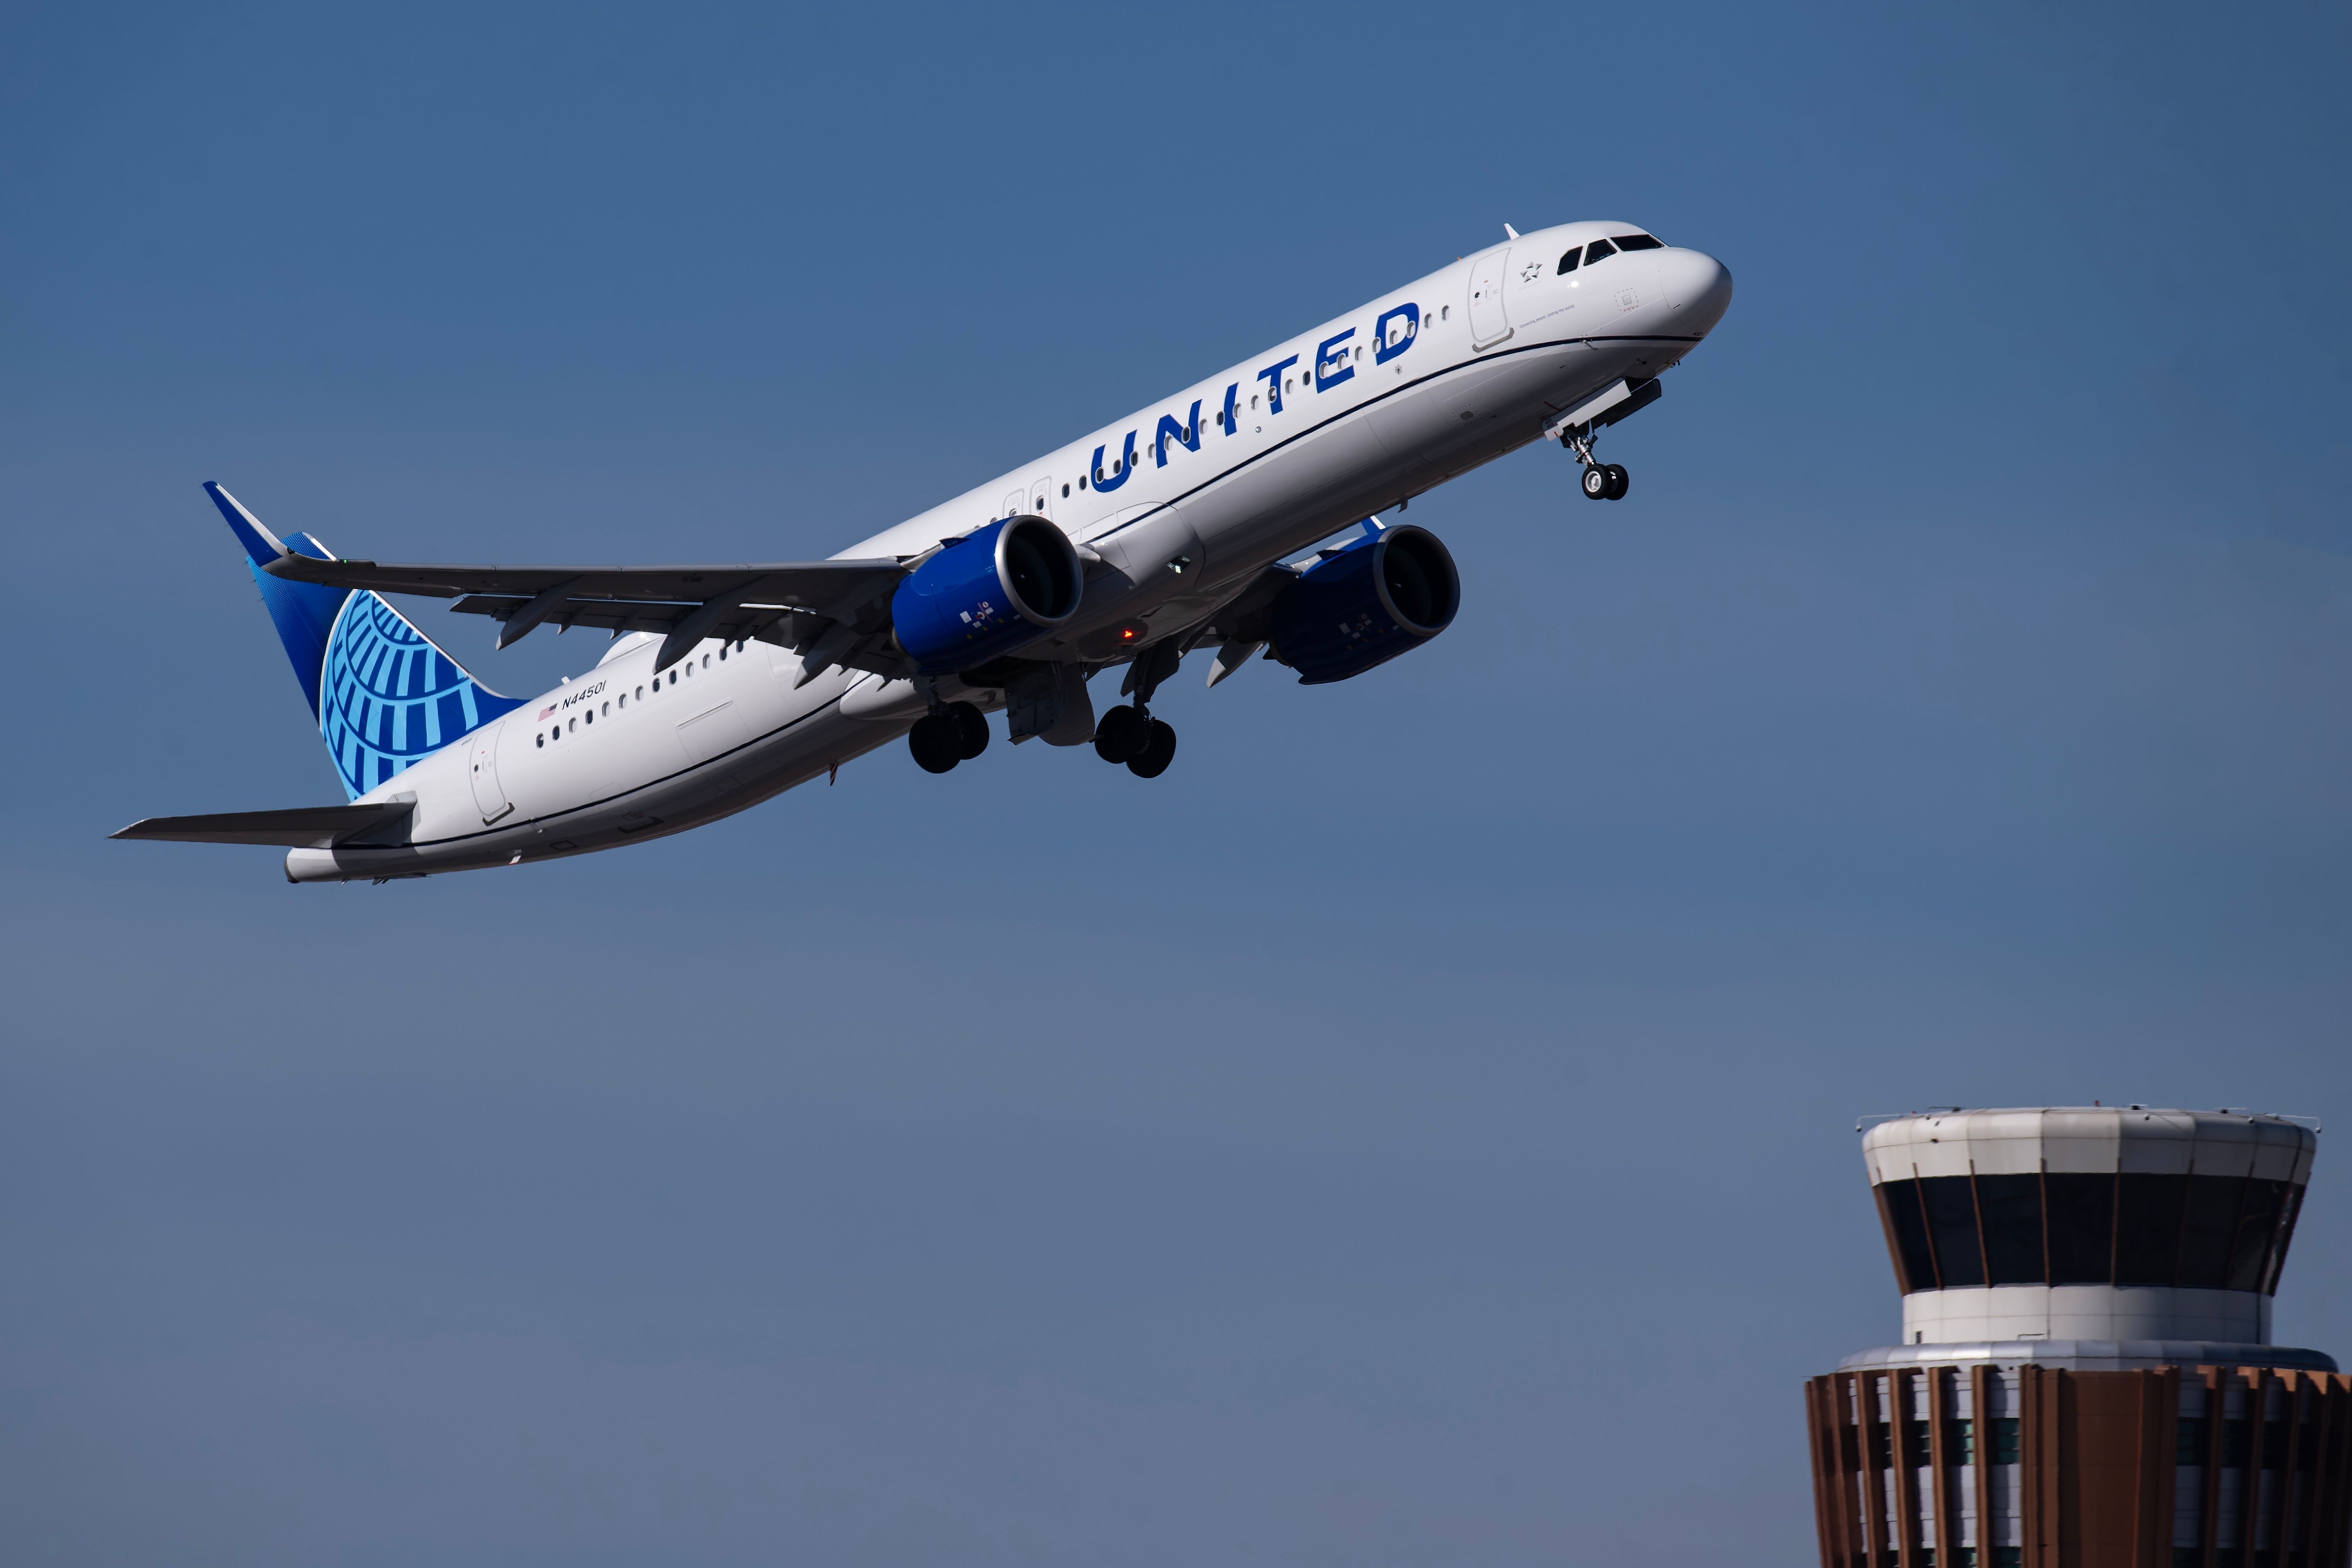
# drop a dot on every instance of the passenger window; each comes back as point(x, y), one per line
point(705, 661)
point(608, 707)
point(1597, 249)
point(673, 678)
point(572, 724)
point(591, 715)
point(539, 741)
point(1066, 490)
point(1638, 242)
point(723, 654)
point(1568, 263)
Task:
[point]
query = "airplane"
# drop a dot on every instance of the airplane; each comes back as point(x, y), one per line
point(1241, 515)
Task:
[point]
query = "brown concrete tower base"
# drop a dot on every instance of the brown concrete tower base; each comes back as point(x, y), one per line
point(2082, 1469)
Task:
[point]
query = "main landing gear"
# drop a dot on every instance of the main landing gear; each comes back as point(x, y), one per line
point(952, 734)
point(1131, 735)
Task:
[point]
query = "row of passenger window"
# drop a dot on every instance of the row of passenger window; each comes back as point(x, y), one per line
point(1601, 247)
point(590, 715)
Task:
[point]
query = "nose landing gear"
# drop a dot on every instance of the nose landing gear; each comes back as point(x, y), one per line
point(1603, 482)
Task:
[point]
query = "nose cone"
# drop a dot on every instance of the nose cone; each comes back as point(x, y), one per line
point(1699, 286)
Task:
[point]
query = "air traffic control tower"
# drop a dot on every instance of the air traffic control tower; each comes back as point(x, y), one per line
point(2086, 1378)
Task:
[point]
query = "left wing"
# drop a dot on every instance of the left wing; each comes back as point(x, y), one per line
point(690, 603)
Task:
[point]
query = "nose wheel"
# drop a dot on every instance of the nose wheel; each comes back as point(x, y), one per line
point(1603, 482)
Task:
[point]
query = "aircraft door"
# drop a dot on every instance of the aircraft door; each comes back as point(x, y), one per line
point(1015, 504)
point(1489, 322)
point(487, 794)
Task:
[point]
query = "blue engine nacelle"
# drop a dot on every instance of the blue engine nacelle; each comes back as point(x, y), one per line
point(986, 594)
point(1384, 595)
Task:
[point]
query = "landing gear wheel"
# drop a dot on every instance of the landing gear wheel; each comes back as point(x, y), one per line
point(1121, 734)
point(971, 729)
point(936, 742)
point(1618, 481)
point(1597, 482)
point(1159, 750)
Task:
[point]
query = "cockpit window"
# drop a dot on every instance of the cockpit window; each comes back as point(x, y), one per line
point(1568, 263)
point(1638, 242)
point(1597, 249)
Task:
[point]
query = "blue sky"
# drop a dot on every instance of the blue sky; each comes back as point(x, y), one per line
point(1417, 1127)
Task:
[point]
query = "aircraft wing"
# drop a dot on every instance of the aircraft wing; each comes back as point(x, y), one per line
point(690, 603)
point(303, 828)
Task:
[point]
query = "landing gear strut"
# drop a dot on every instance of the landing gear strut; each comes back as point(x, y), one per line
point(950, 733)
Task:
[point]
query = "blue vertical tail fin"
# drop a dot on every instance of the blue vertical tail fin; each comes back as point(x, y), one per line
point(384, 694)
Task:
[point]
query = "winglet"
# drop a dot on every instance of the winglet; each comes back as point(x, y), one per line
point(261, 546)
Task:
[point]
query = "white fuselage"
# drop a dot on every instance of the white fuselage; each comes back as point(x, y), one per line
point(1503, 344)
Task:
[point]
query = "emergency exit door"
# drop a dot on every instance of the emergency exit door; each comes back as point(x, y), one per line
point(487, 795)
point(1489, 323)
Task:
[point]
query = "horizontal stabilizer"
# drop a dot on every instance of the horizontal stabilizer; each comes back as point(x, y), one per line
point(301, 827)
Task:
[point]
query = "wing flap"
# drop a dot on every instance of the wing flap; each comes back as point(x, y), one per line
point(299, 828)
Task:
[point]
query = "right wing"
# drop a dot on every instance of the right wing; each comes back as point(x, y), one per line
point(303, 828)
